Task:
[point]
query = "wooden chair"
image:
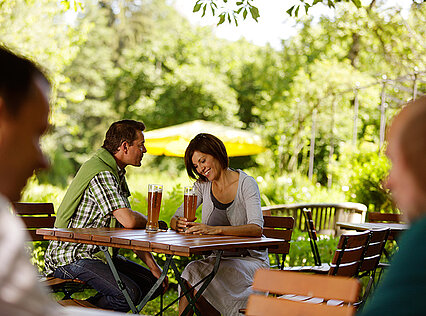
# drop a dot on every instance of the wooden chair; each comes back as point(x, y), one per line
point(42, 215)
point(319, 287)
point(377, 217)
point(312, 233)
point(279, 227)
point(349, 254)
point(371, 260)
point(347, 257)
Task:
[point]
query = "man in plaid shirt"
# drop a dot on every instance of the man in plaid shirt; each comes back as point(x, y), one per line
point(102, 202)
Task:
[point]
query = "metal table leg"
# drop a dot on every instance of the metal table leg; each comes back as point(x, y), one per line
point(157, 284)
point(117, 278)
point(207, 281)
point(169, 262)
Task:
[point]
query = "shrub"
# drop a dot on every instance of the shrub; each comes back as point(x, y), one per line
point(368, 171)
point(295, 188)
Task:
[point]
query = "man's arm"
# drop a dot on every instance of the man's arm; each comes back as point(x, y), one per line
point(129, 218)
point(155, 269)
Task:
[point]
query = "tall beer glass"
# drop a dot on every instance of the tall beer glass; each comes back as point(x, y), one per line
point(189, 203)
point(155, 192)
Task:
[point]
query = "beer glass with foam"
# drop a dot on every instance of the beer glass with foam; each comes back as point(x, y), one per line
point(189, 203)
point(155, 192)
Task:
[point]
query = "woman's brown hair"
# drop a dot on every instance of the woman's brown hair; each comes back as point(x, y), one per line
point(207, 144)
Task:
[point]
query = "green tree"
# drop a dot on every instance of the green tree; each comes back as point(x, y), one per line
point(41, 30)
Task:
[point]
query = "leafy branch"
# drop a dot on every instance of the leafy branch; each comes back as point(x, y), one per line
point(231, 10)
point(226, 12)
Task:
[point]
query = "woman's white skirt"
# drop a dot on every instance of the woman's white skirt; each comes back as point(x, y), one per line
point(230, 288)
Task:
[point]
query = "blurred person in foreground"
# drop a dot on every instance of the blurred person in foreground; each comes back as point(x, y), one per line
point(96, 198)
point(403, 288)
point(24, 111)
point(231, 206)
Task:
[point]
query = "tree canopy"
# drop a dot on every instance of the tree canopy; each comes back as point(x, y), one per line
point(142, 60)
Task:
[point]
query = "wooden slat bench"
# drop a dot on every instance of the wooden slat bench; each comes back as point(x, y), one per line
point(289, 284)
point(42, 215)
point(78, 303)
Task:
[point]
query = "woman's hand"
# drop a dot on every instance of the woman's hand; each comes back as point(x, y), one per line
point(202, 229)
point(181, 223)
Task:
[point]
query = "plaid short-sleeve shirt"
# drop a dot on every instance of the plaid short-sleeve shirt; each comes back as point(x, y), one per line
point(103, 195)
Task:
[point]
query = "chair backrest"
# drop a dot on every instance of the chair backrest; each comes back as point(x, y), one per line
point(349, 254)
point(279, 227)
point(296, 283)
point(35, 215)
point(312, 233)
point(374, 250)
point(377, 217)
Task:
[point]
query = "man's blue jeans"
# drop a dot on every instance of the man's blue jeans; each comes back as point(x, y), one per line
point(138, 281)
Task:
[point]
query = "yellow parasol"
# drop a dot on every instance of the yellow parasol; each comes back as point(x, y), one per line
point(173, 140)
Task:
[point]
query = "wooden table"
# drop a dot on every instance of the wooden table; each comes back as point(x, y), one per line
point(395, 228)
point(168, 242)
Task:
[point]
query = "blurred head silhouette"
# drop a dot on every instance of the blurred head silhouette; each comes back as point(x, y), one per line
point(24, 112)
point(407, 151)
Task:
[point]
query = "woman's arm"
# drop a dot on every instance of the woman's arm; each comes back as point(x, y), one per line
point(249, 230)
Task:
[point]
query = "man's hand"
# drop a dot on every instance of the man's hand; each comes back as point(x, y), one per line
point(155, 269)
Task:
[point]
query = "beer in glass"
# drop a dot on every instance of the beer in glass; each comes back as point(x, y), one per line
point(189, 203)
point(155, 192)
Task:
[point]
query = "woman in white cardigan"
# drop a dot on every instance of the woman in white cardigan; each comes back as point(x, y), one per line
point(231, 206)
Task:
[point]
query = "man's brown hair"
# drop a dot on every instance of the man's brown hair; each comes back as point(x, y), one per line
point(120, 131)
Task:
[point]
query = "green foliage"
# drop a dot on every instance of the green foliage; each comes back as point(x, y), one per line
point(301, 252)
point(36, 192)
point(286, 189)
point(37, 250)
point(368, 173)
point(142, 60)
point(128, 60)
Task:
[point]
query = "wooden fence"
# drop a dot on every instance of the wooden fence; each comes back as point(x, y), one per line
point(325, 215)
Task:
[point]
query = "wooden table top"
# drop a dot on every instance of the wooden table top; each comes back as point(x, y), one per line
point(395, 227)
point(168, 242)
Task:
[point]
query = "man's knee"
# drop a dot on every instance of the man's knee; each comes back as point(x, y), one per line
point(119, 302)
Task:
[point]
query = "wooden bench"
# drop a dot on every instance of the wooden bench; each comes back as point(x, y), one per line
point(322, 290)
point(42, 215)
point(78, 303)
